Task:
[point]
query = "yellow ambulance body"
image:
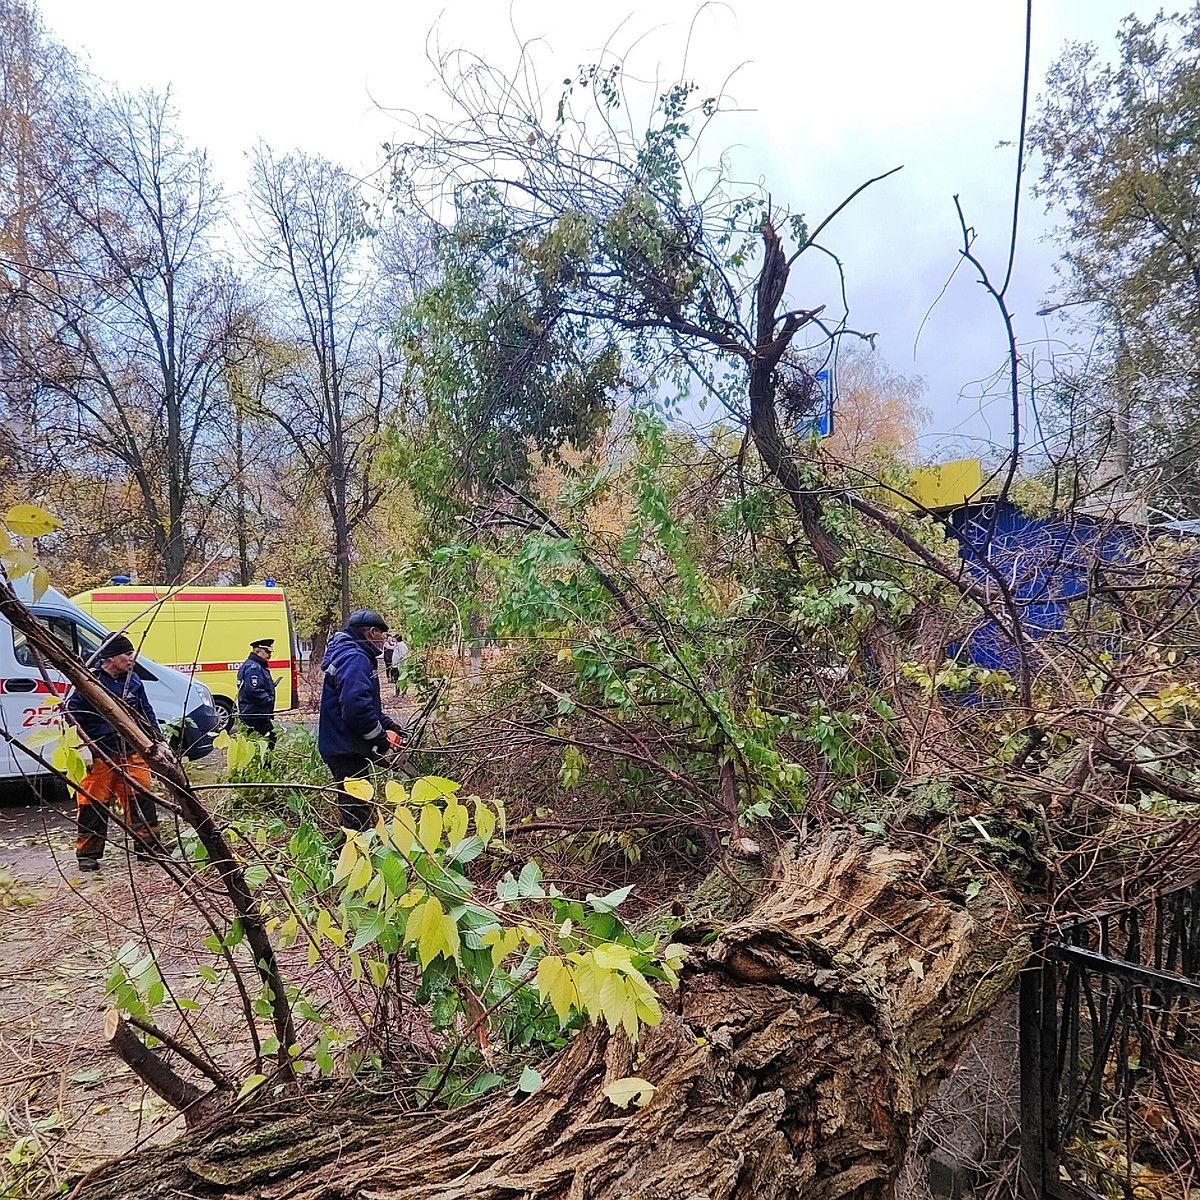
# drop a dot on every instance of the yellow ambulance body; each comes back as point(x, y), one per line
point(204, 632)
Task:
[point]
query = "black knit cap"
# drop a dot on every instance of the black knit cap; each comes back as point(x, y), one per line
point(366, 618)
point(119, 644)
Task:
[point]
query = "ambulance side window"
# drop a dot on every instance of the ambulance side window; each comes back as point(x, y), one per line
point(86, 644)
point(64, 631)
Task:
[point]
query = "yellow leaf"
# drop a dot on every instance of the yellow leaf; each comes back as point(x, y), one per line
point(222, 740)
point(240, 753)
point(360, 876)
point(455, 818)
point(356, 970)
point(395, 792)
point(629, 1018)
point(612, 998)
point(44, 737)
point(555, 984)
point(502, 941)
point(587, 983)
point(630, 1090)
point(374, 893)
point(381, 831)
point(485, 821)
point(377, 968)
point(18, 563)
point(30, 521)
point(432, 787)
point(404, 831)
point(360, 789)
point(612, 956)
point(432, 931)
point(346, 861)
point(431, 827)
point(41, 581)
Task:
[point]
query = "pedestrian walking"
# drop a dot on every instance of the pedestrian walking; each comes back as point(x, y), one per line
point(256, 691)
point(352, 729)
point(394, 653)
point(119, 777)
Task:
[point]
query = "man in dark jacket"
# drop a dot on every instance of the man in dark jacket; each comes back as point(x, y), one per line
point(353, 729)
point(256, 691)
point(118, 777)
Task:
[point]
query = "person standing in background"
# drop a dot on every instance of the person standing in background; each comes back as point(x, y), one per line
point(352, 729)
point(119, 777)
point(394, 654)
point(256, 691)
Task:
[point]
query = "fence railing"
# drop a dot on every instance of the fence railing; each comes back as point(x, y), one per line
point(1110, 1052)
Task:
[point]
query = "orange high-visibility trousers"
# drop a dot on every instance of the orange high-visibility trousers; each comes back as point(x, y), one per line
point(124, 786)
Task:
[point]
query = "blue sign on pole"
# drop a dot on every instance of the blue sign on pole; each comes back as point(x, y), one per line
point(820, 424)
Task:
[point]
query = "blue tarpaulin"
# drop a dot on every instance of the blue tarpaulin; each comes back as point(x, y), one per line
point(1044, 561)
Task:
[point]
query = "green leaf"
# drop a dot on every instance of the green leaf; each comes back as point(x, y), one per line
point(529, 882)
point(606, 904)
point(252, 1083)
point(465, 851)
point(369, 930)
point(530, 1080)
point(257, 874)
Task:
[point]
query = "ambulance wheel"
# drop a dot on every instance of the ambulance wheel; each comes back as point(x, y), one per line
point(224, 713)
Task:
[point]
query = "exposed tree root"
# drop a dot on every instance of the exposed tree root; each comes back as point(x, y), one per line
point(800, 1048)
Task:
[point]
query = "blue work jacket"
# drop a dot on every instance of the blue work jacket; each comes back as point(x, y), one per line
point(128, 689)
point(352, 720)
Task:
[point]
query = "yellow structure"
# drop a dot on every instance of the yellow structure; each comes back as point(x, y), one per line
point(949, 484)
point(204, 632)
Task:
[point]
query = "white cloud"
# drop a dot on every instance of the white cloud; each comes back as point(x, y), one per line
point(834, 93)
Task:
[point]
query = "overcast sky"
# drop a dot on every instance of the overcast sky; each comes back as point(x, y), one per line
point(832, 93)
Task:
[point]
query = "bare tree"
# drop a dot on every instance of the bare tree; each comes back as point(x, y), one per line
point(39, 85)
point(127, 349)
point(310, 226)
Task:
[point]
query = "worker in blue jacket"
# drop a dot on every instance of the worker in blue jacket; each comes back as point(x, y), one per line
point(352, 729)
point(119, 777)
point(256, 691)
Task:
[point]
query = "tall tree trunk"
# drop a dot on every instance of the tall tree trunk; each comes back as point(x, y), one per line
point(244, 575)
point(793, 1062)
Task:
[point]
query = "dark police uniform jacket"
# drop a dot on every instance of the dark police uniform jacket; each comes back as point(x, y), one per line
point(256, 689)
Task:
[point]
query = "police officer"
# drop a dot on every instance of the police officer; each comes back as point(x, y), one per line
point(256, 691)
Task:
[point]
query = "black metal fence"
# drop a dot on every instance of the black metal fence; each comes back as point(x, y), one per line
point(1110, 1053)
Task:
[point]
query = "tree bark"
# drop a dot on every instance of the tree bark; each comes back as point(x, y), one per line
point(792, 1062)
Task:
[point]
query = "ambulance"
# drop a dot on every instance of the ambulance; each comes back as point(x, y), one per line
point(30, 692)
point(205, 632)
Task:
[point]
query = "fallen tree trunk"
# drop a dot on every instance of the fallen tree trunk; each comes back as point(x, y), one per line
point(798, 1052)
